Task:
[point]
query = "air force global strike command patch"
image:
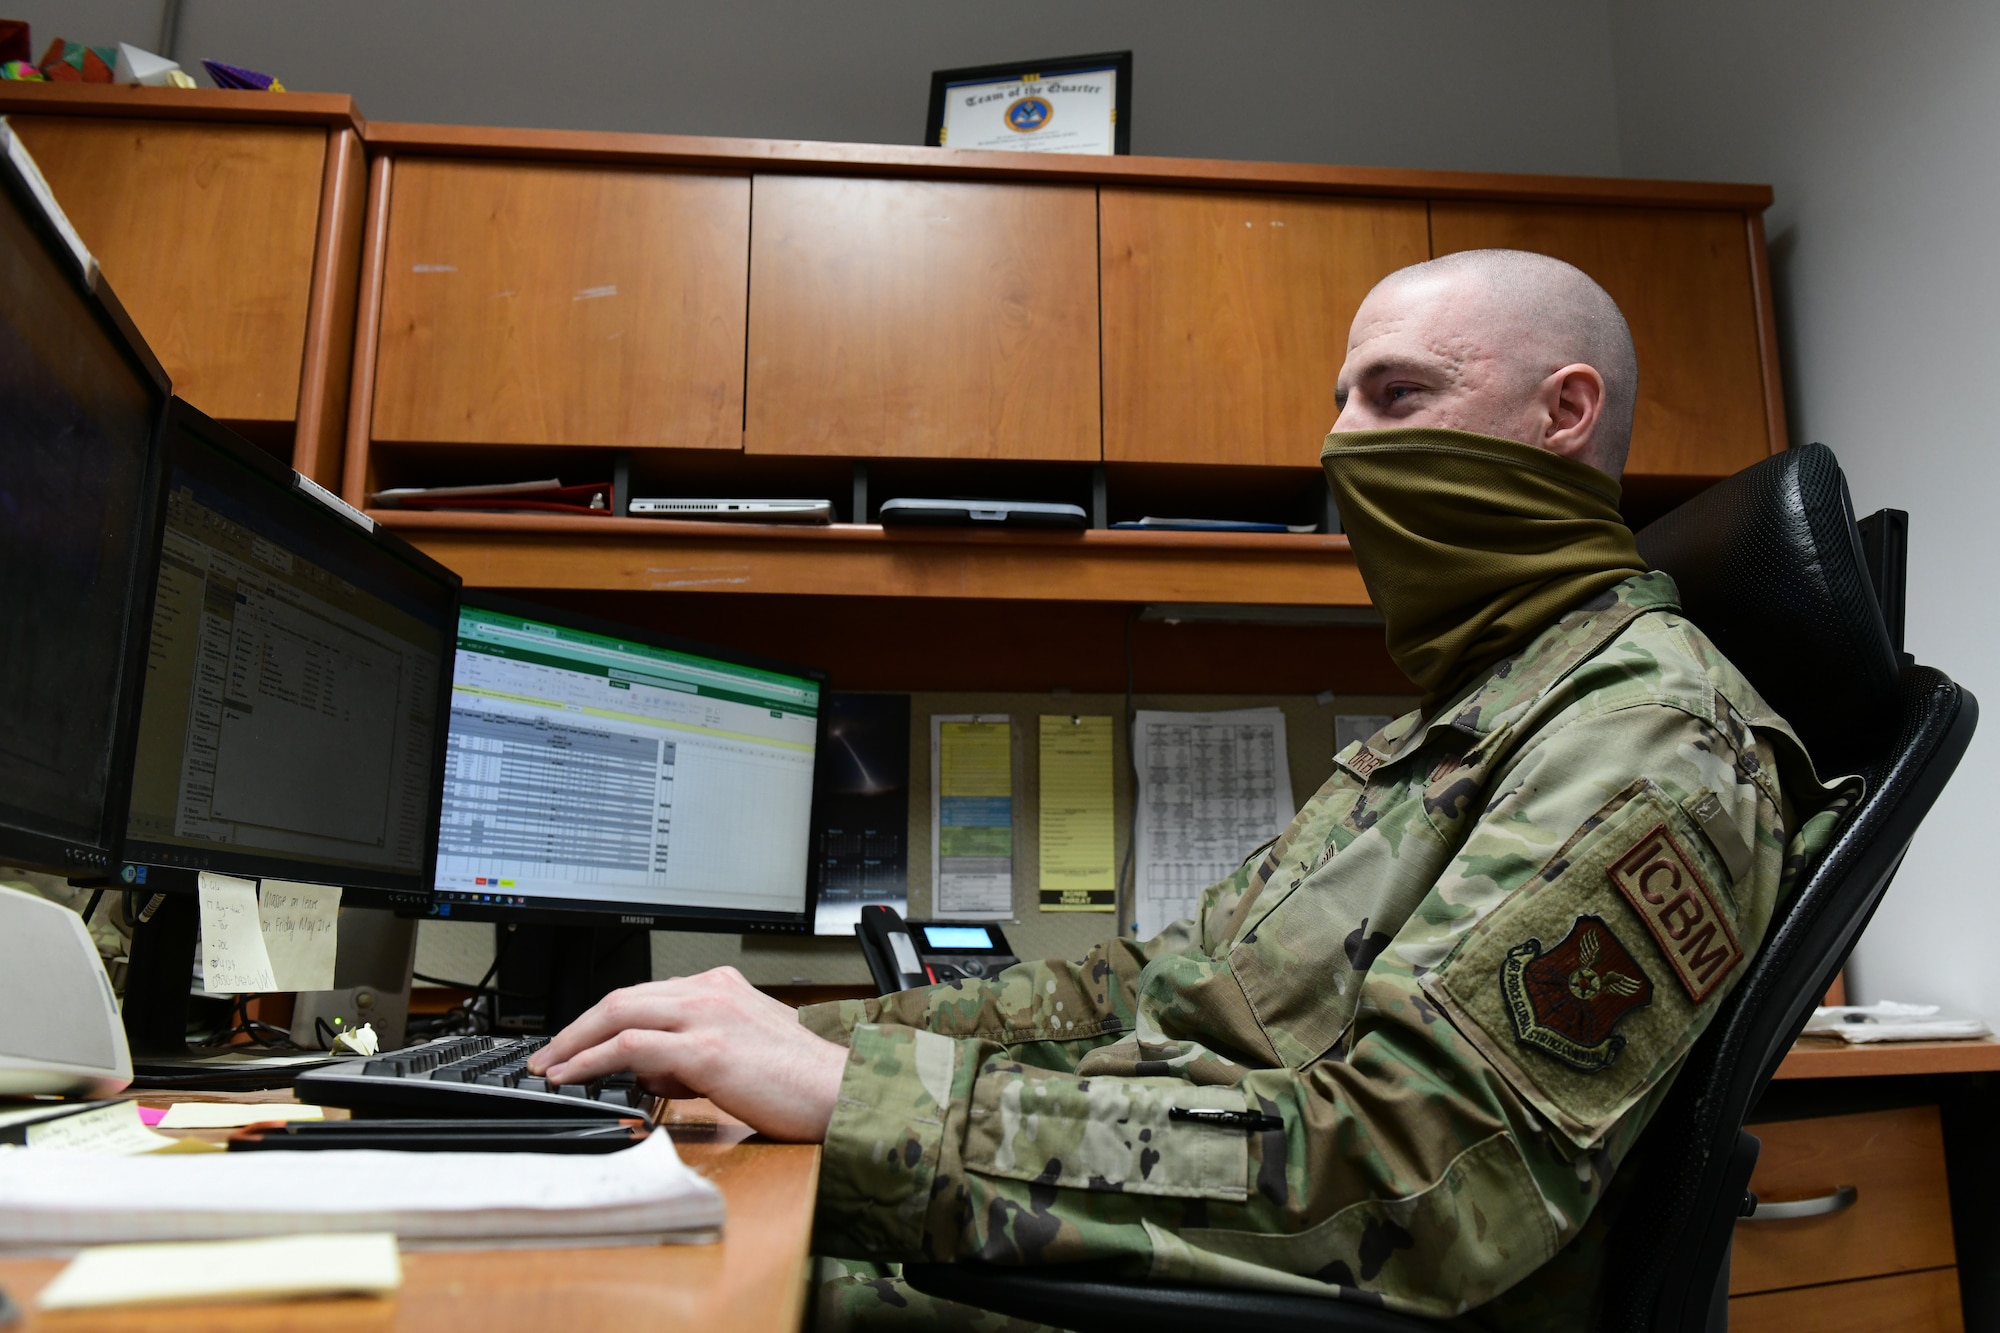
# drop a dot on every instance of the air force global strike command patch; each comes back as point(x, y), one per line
point(1565, 1002)
point(1660, 881)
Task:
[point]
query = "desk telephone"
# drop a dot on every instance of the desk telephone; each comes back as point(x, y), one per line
point(922, 953)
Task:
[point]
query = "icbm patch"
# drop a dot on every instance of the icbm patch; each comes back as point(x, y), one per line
point(1660, 881)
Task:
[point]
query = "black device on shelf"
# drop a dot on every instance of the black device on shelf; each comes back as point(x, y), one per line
point(81, 401)
point(292, 723)
point(902, 955)
point(605, 781)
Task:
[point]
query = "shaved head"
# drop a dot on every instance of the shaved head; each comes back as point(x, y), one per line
point(1501, 342)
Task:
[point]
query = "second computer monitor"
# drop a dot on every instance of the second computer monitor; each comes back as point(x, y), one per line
point(600, 773)
point(296, 684)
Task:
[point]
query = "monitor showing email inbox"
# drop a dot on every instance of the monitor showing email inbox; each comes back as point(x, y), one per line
point(594, 771)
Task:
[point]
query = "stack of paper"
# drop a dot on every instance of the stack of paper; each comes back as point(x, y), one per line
point(58, 1200)
point(1887, 1020)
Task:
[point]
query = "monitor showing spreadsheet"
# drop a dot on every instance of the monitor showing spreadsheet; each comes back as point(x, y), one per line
point(295, 682)
point(594, 768)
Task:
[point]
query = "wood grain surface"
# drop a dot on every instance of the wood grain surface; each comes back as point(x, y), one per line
point(1685, 283)
point(753, 1279)
point(565, 305)
point(519, 551)
point(1907, 1303)
point(206, 230)
point(890, 160)
point(1834, 1059)
point(333, 110)
point(1900, 1221)
point(1226, 317)
point(329, 348)
point(923, 319)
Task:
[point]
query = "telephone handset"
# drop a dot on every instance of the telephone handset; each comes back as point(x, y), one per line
point(902, 955)
point(892, 958)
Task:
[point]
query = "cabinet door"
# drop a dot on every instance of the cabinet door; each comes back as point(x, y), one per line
point(1226, 317)
point(923, 319)
point(1683, 279)
point(206, 232)
point(562, 305)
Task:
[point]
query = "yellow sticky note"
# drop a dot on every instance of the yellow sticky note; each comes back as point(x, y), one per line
point(234, 1115)
point(233, 958)
point(300, 924)
point(109, 1131)
point(267, 1268)
point(1079, 835)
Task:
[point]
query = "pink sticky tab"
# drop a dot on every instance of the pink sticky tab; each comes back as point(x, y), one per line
point(152, 1115)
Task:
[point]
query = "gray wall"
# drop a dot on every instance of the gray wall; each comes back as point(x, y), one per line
point(1877, 125)
point(1420, 83)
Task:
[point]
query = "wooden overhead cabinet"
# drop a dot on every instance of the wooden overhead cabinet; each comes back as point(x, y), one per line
point(1708, 402)
point(528, 303)
point(923, 319)
point(1226, 317)
point(229, 224)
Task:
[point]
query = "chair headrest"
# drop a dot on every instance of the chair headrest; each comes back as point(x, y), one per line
point(1770, 566)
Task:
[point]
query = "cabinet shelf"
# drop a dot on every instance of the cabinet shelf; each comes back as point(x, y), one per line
point(645, 555)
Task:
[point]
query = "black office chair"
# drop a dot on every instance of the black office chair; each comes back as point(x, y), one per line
point(1770, 564)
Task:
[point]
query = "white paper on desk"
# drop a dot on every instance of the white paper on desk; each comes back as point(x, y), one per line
point(300, 925)
point(1213, 787)
point(233, 958)
point(106, 1131)
point(52, 1200)
point(268, 1268)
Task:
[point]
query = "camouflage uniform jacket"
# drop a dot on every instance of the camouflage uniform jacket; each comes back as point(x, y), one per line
point(1400, 1052)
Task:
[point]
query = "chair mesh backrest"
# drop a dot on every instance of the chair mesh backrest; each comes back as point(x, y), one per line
point(1769, 564)
point(1818, 652)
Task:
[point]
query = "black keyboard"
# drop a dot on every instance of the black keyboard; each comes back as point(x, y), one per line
point(463, 1076)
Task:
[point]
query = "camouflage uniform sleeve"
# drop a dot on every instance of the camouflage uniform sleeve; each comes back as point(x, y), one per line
point(1453, 1139)
point(1032, 1005)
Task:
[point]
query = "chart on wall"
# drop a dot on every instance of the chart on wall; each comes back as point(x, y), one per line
point(972, 816)
point(1213, 787)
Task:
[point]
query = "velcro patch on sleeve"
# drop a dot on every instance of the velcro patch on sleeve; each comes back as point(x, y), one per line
point(1563, 985)
point(1681, 910)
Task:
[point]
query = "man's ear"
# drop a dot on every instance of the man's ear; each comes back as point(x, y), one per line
point(1572, 402)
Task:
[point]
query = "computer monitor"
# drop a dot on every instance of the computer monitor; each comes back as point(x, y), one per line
point(599, 774)
point(296, 686)
point(81, 400)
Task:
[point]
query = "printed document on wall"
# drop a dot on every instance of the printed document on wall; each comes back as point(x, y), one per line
point(1213, 787)
point(972, 817)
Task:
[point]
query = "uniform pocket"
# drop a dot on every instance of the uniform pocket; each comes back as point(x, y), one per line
point(1109, 1134)
point(1587, 985)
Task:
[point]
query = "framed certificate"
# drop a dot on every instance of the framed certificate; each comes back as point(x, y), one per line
point(1077, 104)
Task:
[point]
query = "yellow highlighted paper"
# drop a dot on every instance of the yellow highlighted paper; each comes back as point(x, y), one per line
point(1078, 826)
point(266, 1268)
point(978, 759)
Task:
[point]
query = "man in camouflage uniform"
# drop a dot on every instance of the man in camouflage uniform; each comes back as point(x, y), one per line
point(1399, 1055)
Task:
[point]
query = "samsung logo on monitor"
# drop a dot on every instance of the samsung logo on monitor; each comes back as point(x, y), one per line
point(635, 921)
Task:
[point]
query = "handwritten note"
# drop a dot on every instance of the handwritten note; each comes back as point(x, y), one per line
point(300, 925)
point(233, 958)
point(108, 1131)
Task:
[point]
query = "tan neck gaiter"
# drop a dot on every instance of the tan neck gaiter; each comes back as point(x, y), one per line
point(1471, 545)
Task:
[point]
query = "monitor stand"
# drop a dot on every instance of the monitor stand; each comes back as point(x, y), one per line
point(551, 974)
point(158, 975)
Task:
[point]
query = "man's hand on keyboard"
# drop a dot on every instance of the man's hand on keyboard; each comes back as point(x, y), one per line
point(713, 1036)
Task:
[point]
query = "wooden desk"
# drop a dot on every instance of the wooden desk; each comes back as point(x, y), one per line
point(754, 1279)
point(1908, 1124)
